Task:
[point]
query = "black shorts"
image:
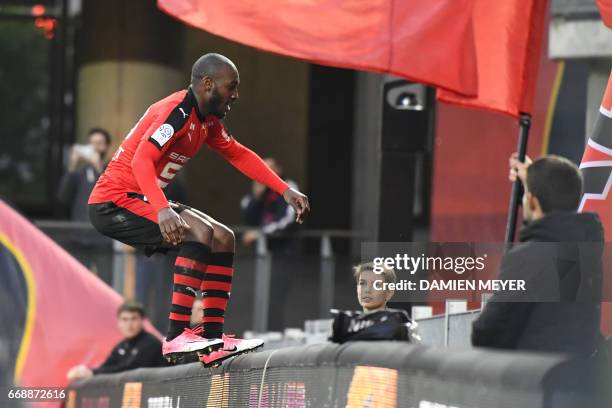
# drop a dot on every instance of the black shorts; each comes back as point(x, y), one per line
point(128, 227)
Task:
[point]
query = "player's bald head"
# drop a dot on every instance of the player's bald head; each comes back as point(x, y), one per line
point(212, 65)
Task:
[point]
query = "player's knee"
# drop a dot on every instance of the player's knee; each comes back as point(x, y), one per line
point(201, 231)
point(224, 238)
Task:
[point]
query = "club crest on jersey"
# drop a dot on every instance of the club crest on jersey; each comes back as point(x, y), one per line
point(163, 134)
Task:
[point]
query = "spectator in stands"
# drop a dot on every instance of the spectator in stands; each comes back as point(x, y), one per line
point(137, 349)
point(268, 211)
point(568, 271)
point(370, 298)
point(85, 165)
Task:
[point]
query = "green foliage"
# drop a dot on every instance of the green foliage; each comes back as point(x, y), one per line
point(24, 115)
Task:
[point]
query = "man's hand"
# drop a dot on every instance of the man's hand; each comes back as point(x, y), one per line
point(96, 161)
point(517, 168)
point(249, 237)
point(75, 159)
point(299, 202)
point(79, 372)
point(172, 226)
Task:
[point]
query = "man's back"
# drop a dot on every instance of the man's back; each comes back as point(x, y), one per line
point(560, 259)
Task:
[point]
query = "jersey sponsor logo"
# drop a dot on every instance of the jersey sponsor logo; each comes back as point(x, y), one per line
point(168, 173)
point(163, 134)
point(179, 157)
point(183, 112)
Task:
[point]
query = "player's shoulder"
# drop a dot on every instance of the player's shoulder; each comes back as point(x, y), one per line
point(171, 100)
point(174, 110)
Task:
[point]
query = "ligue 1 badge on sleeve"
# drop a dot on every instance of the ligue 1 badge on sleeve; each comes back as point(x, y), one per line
point(163, 134)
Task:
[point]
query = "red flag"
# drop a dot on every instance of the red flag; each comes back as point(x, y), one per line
point(425, 41)
point(596, 168)
point(55, 313)
point(596, 165)
point(605, 9)
point(508, 36)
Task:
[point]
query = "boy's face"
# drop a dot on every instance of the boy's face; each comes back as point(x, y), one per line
point(130, 323)
point(370, 298)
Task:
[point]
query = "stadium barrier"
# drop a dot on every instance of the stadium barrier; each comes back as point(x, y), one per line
point(359, 374)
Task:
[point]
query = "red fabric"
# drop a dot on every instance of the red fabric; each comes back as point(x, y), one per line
point(426, 41)
point(136, 206)
point(168, 135)
point(597, 155)
point(220, 270)
point(208, 319)
point(137, 154)
point(187, 280)
point(214, 285)
point(182, 299)
point(73, 314)
point(508, 37)
point(605, 9)
point(143, 166)
point(470, 171)
point(180, 317)
point(214, 303)
point(191, 264)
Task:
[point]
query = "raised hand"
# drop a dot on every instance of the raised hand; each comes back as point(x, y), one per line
point(299, 202)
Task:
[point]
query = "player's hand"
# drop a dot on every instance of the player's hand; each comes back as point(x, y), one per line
point(172, 226)
point(299, 202)
point(517, 168)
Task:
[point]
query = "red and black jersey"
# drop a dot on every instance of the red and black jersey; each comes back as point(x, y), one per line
point(167, 136)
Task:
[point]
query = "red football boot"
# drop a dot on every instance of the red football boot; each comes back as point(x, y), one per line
point(188, 342)
point(231, 347)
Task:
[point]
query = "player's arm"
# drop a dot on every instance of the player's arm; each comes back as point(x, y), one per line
point(143, 165)
point(153, 145)
point(251, 165)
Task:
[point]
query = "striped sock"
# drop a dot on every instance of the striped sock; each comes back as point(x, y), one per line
point(216, 287)
point(189, 270)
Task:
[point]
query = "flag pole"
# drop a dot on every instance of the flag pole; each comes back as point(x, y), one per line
point(517, 188)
